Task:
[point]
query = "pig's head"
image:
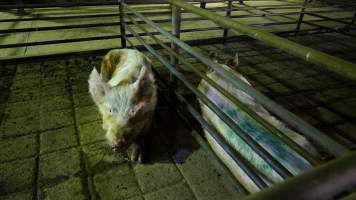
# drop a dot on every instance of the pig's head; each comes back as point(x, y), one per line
point(233, 63)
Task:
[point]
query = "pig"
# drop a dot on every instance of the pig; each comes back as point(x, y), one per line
point(290, 159)
point(125, 93)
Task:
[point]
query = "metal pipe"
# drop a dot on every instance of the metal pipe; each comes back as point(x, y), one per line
point(122, 24)
point(176, 27)
point(326, 18)
point(104, 24)
point(301, 16)
point(202, 4)
point(98, 3)
point(280, 169)
point(228, 14)
point(323, 182)
point(234, 100)
point(49, 28)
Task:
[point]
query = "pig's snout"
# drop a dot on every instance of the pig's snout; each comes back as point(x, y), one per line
point(120, 146)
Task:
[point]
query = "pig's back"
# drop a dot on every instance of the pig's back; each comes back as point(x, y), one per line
point(286, 156)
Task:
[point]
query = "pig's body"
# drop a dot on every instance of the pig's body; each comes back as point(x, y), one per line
point(125, 93)
point(286, 156)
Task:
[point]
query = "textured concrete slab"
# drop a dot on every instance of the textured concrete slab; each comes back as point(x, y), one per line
point(17, 175)
point(58, 139)
point(60, 164)
point(91, 132)
point(17, 148)
point(70, 189)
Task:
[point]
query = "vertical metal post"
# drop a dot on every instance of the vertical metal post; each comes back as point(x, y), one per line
point(122, 24)
point(301, 16)
point(202, 4)
point(176, 25)
point(21, 9)
point(228, 14)
point(352, 23)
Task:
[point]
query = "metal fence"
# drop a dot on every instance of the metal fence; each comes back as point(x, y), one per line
point(171, 63)
point(129, 18)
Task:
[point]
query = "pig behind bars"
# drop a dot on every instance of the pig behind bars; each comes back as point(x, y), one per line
point(285, 155)
point(125, 94)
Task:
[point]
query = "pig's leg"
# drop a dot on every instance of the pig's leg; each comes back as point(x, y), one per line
point(136, 153)
point(138, 148)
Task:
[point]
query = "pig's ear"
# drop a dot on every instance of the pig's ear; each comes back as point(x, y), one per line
point(134, 109)
point(97, 87)
point(108, 64)
point(233, 63)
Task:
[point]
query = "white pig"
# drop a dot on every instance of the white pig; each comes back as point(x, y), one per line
point(126, 95)
point(290, 159)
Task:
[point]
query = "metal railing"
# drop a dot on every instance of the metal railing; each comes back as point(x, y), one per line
point(229, 9)
point(175, 58)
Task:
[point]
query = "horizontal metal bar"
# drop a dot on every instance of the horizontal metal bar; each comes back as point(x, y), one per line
point(108, 24)
point(50, 28)
point(301, 126)
point(328, 18)
point(323, 182)
point(156, 13)
point(48, 42)
point(280, 169)
point(234, 100)
point(59, 18)
point(98, 3)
